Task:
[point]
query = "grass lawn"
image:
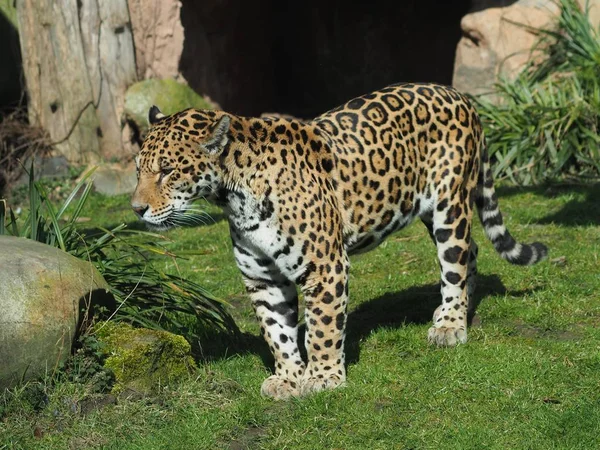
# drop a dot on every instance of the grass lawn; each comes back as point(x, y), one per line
point(529, 377)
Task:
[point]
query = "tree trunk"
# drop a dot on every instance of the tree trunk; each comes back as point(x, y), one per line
point(78, 60)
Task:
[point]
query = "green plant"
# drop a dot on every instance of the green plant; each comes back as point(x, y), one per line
point(87, 365)
point(545, 124)
point(144, 294)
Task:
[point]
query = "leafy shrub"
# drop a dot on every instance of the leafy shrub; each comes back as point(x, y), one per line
point(545, 126)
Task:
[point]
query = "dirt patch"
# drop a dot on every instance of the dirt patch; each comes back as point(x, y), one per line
point(533, 332)
point(248, 439)
point(90, 405)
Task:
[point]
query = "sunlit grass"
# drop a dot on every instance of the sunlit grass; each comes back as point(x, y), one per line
point(527, 378)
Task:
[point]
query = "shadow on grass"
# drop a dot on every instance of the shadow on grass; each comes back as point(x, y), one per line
point(584, 211)
point(414, 305)
point(576, 212)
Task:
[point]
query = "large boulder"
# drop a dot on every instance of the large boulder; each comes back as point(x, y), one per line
point(43, 292)
point(498, 41)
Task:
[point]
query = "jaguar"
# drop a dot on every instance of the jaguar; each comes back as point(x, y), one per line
point(300, 196)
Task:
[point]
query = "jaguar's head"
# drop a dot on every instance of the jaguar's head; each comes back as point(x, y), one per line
point(177, 164)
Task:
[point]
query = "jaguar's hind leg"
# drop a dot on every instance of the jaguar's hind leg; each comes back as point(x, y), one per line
point(472, 277)
point(471, 270)
point(451, 230)
point(471, 284)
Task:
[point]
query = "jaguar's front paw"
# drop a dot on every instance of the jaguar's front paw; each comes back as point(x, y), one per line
point(316, 384)
point(447, 336)
point(279, 388)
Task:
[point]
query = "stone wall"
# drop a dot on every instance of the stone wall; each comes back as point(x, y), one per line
point(300, 59)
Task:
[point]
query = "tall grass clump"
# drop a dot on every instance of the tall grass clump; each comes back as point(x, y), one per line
point(144, 295)
point(545, 125)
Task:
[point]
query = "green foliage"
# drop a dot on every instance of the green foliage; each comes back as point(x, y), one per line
point(545, 125)
point(144, 294)
point(87, 365)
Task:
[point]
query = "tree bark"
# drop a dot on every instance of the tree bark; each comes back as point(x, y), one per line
point(78, 60)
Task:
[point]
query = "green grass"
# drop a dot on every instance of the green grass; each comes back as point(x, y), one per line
point(527, 378)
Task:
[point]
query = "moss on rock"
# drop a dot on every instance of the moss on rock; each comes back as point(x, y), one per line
point(169, 95)
point(144, 360)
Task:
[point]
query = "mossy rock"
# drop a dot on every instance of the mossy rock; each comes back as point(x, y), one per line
point(169, 95)
point(9, 11)
point(144, 360)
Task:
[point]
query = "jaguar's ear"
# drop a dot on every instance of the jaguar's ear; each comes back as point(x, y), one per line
point(218, 138)
point(154, 115)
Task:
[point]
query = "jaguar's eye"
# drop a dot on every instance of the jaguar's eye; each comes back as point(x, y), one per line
point(165, 171)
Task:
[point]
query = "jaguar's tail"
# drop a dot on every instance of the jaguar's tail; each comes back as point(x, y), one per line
point(491, 218)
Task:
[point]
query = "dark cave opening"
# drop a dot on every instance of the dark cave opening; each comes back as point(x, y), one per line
point(303, 58)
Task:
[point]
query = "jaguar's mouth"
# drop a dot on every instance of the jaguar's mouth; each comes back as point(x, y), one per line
point(186, 217)
point(163, 223)
point(161, 226)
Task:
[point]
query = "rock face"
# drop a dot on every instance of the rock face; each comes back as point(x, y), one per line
point(78, 59)
point(494, 43)
point(43, 290)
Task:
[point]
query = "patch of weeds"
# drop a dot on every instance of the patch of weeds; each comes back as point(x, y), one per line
point(58, 188)
point(87, 366)
point(84, 371)
point(147, 296)
point(29, 398)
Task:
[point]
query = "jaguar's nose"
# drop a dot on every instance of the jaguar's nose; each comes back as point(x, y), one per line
point(140, 209)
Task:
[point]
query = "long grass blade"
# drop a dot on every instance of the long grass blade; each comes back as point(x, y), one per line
point(58, 232)
point(3, 217)
point(14, 227)
point(34, 205)
point(84, 180)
